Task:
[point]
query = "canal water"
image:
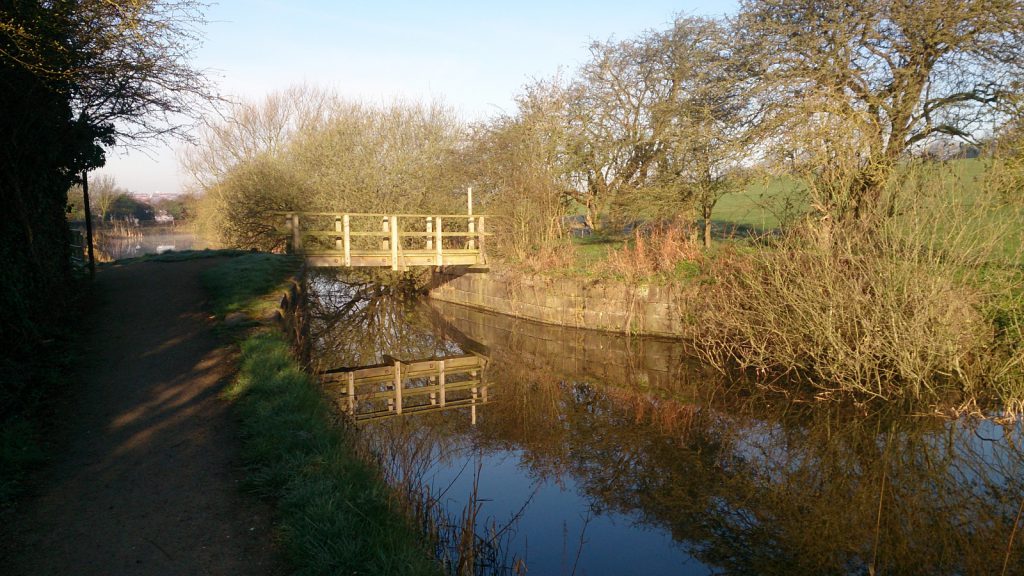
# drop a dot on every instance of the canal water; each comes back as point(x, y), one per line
point(576, 452)
point(153, 241)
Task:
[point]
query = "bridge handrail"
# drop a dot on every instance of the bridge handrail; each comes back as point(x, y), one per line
point(378, 214)
point(391, 235)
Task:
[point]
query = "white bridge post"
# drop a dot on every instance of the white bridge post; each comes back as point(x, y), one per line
point(348, 240)
point(394, 244)
point(437, 242)
point(398, 387)
point(471, 242)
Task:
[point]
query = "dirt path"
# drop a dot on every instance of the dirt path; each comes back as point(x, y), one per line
point(148, 483)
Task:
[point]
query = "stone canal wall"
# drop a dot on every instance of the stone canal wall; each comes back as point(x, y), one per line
point(579, 303)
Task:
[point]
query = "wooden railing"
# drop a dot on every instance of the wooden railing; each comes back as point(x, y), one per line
point(397, 241)
point(376, 392)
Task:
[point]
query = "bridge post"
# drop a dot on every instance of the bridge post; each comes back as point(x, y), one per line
point(352, 394)
point(441, 382)
point(470, 242)
point(394, 244)
point(348, 240)
point(430, 229)
point(437, 242)
point(472, 407)
point(398, 387)
point(296, 233)
point(288, 226)
point(482, 258)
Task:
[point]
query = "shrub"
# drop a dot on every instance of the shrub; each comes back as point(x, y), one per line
point(659, 249)
point(922, 305)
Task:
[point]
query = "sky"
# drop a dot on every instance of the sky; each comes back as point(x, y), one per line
point(473, 56)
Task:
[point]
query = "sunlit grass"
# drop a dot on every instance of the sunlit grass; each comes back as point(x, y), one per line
point(336, 515)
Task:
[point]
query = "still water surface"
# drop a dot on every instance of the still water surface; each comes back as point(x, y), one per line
point(153, 243)
point(577, 452)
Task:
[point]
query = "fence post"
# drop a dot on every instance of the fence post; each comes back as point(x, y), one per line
point(430, 229)
point(482, 258)
point(352, 394)
point(470, 242)
point(437, 242)
point(398, 387)
point(348, 240)
point(296, 234)
point(394, 243)
point(288, 226)
point(441, 382)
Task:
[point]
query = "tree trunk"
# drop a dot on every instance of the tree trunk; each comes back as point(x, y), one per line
point(706, 213)
point(88, 223)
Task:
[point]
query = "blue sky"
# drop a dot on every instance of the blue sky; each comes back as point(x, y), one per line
point(475, 56)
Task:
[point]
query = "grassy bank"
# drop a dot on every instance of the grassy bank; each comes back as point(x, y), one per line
point(926, 306)
point(335, 513)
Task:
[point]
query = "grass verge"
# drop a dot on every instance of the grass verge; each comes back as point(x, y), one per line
point(335, 513)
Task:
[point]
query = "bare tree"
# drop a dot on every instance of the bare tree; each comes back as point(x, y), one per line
point(242, 131)
point(851, 86)
point(615, 136)
point(306, 150)
point(706, 114)
point(516, 162)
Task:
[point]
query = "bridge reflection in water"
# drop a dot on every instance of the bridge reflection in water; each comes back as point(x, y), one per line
point(623, 456)
point(370, 393)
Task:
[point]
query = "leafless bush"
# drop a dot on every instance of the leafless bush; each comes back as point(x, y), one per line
point(902, 312)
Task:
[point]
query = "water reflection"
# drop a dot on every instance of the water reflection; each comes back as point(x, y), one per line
point(110, 248)
point(596, 454)
point(370, 393)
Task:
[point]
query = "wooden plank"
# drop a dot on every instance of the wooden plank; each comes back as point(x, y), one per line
point(378, 415)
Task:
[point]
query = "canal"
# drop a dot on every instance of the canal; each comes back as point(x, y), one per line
point(151, 241)
point(563, 451)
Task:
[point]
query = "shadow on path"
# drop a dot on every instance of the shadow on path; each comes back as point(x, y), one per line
point(148, 482)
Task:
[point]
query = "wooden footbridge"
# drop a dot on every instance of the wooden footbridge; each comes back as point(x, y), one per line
point(377, 392)
point(396, 241)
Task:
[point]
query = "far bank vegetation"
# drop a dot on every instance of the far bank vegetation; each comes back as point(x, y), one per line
point(881, 140)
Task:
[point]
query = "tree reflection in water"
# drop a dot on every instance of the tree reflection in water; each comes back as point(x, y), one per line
point(743, 484)
point(357, 322)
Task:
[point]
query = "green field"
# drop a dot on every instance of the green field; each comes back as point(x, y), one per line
point(766, 203)
point(943, 201)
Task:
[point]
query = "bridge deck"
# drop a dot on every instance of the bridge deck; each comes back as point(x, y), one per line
point(384, 259)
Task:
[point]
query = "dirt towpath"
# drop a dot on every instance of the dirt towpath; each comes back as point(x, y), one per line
point(147, 480)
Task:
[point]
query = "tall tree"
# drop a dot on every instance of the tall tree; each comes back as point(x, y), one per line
point(706, 118)
point(74, 76)
point(851, 86)
point(614, 136)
